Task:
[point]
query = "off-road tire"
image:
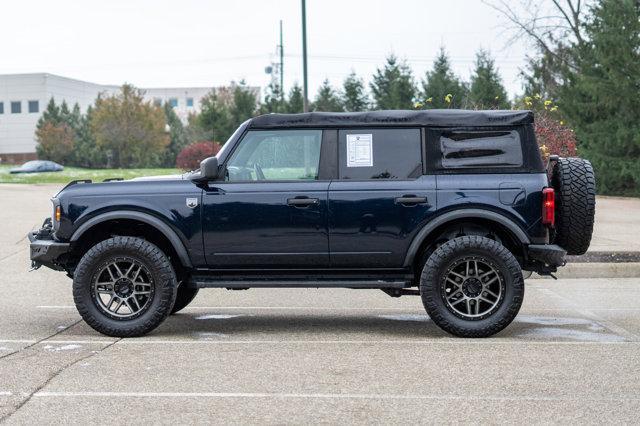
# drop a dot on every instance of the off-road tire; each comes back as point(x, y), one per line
point(184, 298)
point(575, 186)
point(146, 254)
point(433, 275)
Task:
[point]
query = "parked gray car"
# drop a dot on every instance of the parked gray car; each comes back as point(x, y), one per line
point(38, 166)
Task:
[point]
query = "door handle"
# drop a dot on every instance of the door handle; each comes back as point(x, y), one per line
point(410, 200)
point(302, 202)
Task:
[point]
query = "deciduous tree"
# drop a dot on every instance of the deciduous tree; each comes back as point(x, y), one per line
point(131, 129)
point(55, 142)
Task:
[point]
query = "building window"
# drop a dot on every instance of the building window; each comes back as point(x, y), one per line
point(157, 102)
point(16, 107)
point(1, 107)
point(173, 102)
point(34, 106)
point(190, 102)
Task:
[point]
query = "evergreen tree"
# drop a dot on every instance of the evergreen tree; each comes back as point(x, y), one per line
point(51, 114)
point(86, 152)
point(194, 132)
point(487, 91)
point(65, 113)
point(327, 99)
point(215, 117)
point(393, 86)
point(177, 136)
point(272, 100)
point(244, 104)
point(354, 97)
point(601, 97)
point(441, 88)
point(295, 101)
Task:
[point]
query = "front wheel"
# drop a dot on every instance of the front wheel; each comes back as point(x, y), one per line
point(124, 287)
point(472, 286)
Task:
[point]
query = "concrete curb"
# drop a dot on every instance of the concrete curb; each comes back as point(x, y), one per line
point(597, 270)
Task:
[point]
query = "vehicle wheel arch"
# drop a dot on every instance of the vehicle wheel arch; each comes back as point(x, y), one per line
point(132, 223)
point(508, 232)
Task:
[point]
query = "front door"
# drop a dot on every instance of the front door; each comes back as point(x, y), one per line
point(381, 199)
point(271, 209)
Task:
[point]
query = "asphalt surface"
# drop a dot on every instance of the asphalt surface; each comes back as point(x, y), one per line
point(310, 356)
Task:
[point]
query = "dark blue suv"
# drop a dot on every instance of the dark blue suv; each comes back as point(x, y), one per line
point(446, 204)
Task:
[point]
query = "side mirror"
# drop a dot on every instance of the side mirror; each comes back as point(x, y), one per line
point(209, 168)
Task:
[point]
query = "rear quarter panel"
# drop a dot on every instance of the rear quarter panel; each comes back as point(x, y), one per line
point(517, 196)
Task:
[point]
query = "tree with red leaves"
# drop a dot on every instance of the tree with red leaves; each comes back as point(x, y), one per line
point(554, 137)
point(191, 155)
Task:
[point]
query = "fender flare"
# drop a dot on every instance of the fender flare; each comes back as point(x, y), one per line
point(153, 221)
point(434, 223)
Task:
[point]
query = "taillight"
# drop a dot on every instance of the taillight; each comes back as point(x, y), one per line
point(548, 207)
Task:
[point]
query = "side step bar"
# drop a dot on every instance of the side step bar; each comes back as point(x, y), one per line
point(211, 282)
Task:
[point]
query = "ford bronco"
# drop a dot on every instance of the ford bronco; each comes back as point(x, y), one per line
point(449, 205)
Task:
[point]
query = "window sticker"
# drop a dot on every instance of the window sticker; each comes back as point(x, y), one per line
point(360, 150)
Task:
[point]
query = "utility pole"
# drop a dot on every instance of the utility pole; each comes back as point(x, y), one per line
point(305, 86)
point(281, 66)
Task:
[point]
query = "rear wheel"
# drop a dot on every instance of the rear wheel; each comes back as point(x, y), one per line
point(472, 286)
point(124, 287)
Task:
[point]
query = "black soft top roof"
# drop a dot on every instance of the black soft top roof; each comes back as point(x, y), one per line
point(433, 117)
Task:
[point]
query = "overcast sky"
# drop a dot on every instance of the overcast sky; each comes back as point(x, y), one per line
point(156, 43)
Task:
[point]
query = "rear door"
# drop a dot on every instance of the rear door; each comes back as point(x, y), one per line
point(381, 197)
point(271, 210)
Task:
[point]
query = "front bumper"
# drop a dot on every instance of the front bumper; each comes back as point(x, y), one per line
point(546, 258)
point(46, 251)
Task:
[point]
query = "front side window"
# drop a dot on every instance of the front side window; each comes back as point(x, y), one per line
point(34, 106)
point(473, 149)
point(380, 154)
point(1, 107)
point(276, 155)
point(16, 107)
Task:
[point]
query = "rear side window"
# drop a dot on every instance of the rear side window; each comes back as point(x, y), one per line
point(380, 154)
point(474, 149)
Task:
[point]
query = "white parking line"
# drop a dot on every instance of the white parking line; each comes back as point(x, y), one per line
point(47, 394)
point(452, 341)
point(4, 393)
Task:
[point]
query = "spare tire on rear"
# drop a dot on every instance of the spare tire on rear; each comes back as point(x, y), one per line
point(575, 187)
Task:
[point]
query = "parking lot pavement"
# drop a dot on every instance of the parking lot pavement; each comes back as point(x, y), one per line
point(312, 356)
